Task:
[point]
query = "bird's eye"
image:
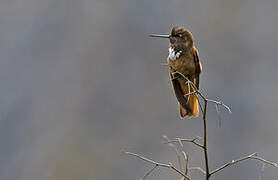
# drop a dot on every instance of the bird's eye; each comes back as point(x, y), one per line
point(177, 35)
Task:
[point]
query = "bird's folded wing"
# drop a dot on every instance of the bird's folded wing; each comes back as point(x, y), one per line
point(179, 93)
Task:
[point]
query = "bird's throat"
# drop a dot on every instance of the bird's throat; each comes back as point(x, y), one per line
point(174, 55)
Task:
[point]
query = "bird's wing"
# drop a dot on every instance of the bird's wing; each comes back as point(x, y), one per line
point(198, 68)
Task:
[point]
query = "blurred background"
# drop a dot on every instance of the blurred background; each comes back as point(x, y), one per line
point(81, 82)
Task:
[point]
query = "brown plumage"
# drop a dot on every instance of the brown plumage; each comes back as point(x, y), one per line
point(183, 61)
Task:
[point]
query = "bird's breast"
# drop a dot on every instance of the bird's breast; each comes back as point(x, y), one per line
point(181, 62)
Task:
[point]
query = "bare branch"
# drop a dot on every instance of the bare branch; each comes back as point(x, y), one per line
point(193, 92)
point(193, 140)
point(220, 103)
point(232, 163)
point(186, 159)
point(205, 140)
point(180, 142)
point(261, 172)
point(218, 114)
point(265, 161)
point(149, 172)
point(251, 156)
point(199, 169)
point(170, 166)
point(177, 152)
point(200, 105)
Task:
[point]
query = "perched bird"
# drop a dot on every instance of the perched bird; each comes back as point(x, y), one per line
point(183, 64)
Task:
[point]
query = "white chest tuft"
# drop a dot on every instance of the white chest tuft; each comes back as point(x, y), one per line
point(173, 55)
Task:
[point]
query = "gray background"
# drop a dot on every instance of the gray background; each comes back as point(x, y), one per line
point(81, 82)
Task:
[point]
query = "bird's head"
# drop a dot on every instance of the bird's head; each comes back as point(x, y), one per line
point(180, 38)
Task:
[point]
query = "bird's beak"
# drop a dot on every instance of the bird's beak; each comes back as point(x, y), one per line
point(160, 35)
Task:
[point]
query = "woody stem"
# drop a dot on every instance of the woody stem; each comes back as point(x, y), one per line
point(205, 139)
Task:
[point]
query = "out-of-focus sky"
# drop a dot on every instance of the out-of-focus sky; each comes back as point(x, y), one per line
point(81, 81)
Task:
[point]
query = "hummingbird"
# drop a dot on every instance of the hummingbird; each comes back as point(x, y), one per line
point(183, 65)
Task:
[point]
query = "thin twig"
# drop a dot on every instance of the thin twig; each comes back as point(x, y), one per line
point(193, 140)
point(265, 161)
point(177, 152)
point(193, 92)
point(220, 103)
point(199, 169)
point(232, 163)
point(200, 105)
point(170, 166)
point(218, 114)
point(251, 156)
point(149, 172)
point(186, 159)
point(189, 89)
point(261, 172)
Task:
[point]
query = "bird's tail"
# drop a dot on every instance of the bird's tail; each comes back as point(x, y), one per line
point(192, 102)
